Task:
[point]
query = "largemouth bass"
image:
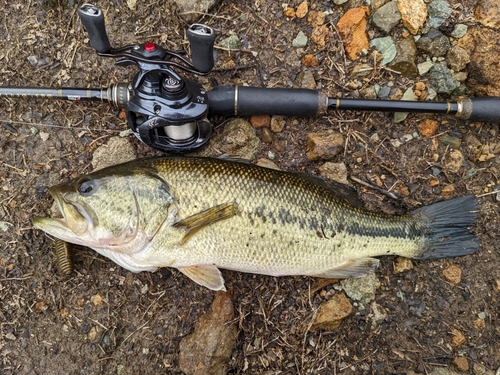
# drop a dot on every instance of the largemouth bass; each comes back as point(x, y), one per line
point(201, 214)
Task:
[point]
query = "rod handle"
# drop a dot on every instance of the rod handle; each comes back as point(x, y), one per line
point(484, 109)
point(93, 20)
point(247, 101)
point(201, 39)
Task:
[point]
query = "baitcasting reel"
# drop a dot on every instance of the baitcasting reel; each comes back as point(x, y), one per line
point(164, 110)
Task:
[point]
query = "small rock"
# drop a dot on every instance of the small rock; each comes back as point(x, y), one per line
point(379, 314)
point(428, 128)
point(408, 95)
point(457, 338)
point(332, 312)
point(404, 62)
point(453, 274)
point(461, 363)
point(266, 135)
point(361, 70)
point(305, 80)
point(238, 139)
point(453, 161)
point(340, 2)
point(362, 289)
point(368, 93)
point(488, 13)
point(318, 36)
point(384, 92)
point(309, 60)
point(459, 30)
point(479, 323)
point(260, 121)
point(302, 10)
point(439, 11)
point(435, 43)
point(442, 80)
point(316, 18)
point(448, 190)
point(300, 40)
point(44, 136)
point(97, 300)
point(209, 348)
point(352, 31)
point(460, 76)
point(190, 8)
point(116, 150)
point(424, 67)
point(334, 171)
point(442, 371)
point(479, 369)
point(402, 264)
point(457, 58)
point(278, 123)
point(266, 163)
point(324, 145)
point(386, 47)
point(413, 14)
point(387, 16)
point(450, 140)
point(92, 335)
point(231, 42)
point(376, 4)
point(289, 12)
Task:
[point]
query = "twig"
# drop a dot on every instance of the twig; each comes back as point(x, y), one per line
point(382, 191)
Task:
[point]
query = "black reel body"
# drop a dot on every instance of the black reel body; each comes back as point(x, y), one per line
point(164, 110)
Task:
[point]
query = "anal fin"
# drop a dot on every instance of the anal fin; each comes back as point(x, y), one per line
point(195, 222)
point(353, 268)
point(206, 275)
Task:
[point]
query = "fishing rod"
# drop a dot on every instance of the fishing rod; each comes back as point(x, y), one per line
point(170, 112)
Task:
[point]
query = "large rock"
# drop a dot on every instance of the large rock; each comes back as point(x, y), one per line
point(404, 61)
point(481, 43)
point(488, 13)
point(117, 150)
point(332, 312)
point(387, 16)
point(324, 145)
point(352, 30)
point(435, 43)
point(193, 9)
point(457, 58)
point(413, 14)
point(209, 348)
point(237, 139)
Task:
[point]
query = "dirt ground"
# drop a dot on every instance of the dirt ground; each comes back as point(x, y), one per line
point(56, 324)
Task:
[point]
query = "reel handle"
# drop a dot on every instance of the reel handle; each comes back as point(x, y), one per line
point(201, 39)
point(93, 21)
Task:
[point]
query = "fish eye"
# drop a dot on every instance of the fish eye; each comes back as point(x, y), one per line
point(86, 186)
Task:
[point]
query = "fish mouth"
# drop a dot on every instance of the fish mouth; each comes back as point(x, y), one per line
point(75, 221)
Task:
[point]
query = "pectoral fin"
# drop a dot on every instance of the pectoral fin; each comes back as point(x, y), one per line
point(353, 268)
point(206, 274)
point(197, 221)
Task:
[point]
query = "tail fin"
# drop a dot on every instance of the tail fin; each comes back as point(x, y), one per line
point(446, 228)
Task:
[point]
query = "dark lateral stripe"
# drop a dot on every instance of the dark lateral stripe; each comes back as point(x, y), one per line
point(376, 227)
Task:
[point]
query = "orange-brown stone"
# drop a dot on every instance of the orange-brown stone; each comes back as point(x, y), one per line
point(352, 30)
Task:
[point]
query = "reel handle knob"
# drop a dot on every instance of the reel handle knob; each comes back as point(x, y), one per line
point(93, 20)
point(201, 38)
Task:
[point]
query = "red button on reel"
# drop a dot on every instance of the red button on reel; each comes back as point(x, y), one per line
point(149, 47)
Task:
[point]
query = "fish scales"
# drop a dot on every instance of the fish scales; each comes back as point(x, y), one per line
point(287, 225)
point(202, 214)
